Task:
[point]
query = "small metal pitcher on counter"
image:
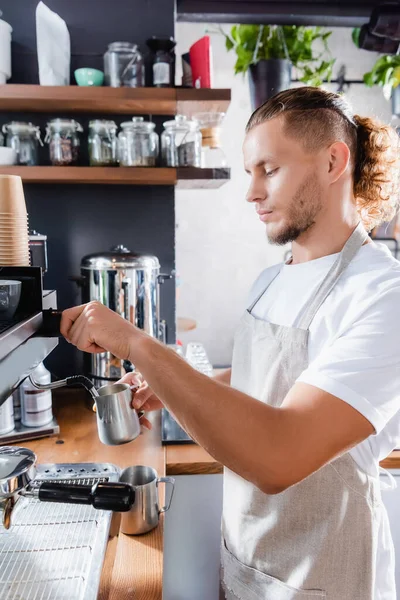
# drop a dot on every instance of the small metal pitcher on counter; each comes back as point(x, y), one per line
point(144, 514)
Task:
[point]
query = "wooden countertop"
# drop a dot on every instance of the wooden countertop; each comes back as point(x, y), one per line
point(190, 459)
point(133, 565)
point(132, 562)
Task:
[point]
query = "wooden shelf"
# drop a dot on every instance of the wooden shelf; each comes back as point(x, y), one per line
point(192, 178)
point(188, 178)
point(132, 101)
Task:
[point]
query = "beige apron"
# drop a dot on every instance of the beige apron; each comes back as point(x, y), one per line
point(317, 539)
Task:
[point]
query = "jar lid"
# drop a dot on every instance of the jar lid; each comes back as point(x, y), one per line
point(119, 257)
point(138, 124)
point(21, 127)
point(123, 47)
point(60, 124)
point(102, 125)
point(181, 122)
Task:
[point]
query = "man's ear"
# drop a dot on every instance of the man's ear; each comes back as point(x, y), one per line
point(338, 160)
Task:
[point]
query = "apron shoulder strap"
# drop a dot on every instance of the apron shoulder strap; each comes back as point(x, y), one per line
point(252, 305)
point(350, 249)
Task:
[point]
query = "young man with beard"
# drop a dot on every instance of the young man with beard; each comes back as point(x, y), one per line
point(311, 404)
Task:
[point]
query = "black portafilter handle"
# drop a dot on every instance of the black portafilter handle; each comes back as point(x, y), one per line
point(118, 497)
point(51, 323)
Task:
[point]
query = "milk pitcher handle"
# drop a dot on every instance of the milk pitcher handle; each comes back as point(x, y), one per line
point(171, 481)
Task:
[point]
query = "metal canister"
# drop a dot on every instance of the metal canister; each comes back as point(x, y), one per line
point(128, 283)
point(7, 416)
point(36, 405)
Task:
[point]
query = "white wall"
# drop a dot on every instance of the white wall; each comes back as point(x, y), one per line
point(221, 246)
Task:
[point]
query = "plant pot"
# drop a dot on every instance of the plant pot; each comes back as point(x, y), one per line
point(267, 78)
point(396, 101)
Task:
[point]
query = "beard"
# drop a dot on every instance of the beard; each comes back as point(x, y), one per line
point(304, 207)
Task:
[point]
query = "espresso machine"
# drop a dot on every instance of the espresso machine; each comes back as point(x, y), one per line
point(129, 284)
point(27, 336)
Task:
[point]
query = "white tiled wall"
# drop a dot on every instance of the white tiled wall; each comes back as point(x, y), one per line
point(221, 246)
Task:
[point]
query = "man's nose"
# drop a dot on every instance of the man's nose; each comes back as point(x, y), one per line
point(256, 193)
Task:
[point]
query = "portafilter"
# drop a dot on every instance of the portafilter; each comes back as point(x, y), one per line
point(18, 470)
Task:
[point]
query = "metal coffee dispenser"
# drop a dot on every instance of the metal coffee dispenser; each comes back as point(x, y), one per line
point(128, 283)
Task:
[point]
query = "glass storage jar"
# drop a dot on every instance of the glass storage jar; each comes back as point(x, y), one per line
point(138, 144)
point(181, 143)
point(24, 138)
point(124, 65)
point(102, 143)
point(62, 136)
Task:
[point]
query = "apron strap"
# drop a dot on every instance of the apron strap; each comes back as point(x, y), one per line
point(252, 305)
point(350, 249)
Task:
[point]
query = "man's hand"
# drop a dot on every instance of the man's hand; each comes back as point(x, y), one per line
point(134, 380)
point(95, 328)
point(144, 398)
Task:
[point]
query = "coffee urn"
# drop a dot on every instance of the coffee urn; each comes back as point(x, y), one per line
point(128, 283)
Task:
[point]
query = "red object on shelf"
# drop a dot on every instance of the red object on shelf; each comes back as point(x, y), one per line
point(201, 63)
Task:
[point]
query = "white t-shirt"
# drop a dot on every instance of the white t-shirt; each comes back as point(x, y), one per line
point(354, 341)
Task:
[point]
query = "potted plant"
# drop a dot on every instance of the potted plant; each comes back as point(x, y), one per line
point(269, 52)
point(386, 73)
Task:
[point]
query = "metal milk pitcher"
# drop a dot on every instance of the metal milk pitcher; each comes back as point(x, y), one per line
point(117, 422)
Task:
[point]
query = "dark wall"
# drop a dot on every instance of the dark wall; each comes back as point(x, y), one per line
point(81, 219)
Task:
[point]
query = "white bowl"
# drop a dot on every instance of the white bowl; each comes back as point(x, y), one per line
point(8, 156)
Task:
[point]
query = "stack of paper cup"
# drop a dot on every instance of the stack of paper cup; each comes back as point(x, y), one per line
point(14, 235)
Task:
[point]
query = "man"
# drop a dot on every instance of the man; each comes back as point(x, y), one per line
point(313, 401)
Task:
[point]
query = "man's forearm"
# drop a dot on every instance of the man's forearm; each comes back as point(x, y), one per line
point(237, 430)
point(224, 377)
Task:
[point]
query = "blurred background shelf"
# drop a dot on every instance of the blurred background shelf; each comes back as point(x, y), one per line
point(188, 178)
point(133, 101)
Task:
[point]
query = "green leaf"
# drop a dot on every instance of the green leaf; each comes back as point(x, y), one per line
point(355, 36)
point(234, 33)
point(228, 43)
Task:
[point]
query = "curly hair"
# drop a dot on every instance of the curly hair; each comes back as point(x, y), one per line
point(319, 118)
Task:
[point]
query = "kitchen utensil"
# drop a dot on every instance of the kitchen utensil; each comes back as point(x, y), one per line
point(128, 283)
point(212, 155)
point(88, 77)
point(117, 422)
point(144, 514)
point(18, 469)
point(10, 293)
point(56, 551)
